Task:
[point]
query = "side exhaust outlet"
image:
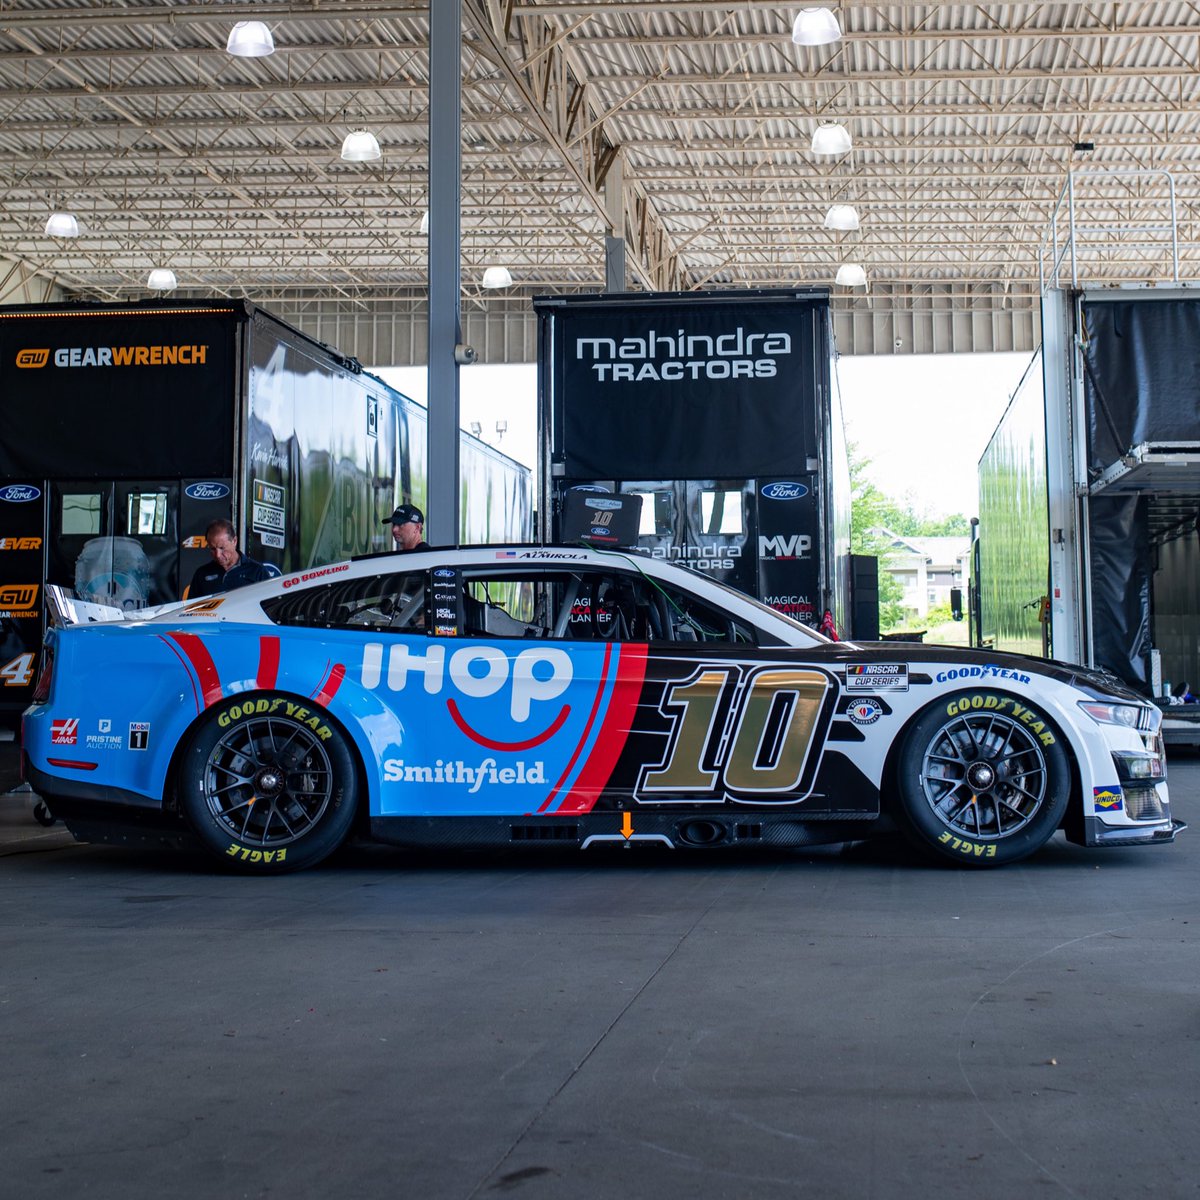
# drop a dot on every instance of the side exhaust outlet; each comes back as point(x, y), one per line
point(701, 833)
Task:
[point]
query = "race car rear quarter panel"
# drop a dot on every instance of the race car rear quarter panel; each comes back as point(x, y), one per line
point(123, 696)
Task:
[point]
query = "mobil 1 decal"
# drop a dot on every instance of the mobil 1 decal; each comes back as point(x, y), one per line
point(724, 730)
point(685, 390)
point(788, 546)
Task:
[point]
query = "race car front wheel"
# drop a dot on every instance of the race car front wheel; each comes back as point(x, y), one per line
point(983, 779)
point(268, 782)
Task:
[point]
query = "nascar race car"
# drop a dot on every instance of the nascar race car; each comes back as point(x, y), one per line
point(565, 697)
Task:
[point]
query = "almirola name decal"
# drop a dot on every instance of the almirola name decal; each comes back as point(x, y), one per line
point(666, 358)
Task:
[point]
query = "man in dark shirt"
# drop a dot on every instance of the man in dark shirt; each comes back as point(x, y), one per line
point(408, 523)
point(230, 568)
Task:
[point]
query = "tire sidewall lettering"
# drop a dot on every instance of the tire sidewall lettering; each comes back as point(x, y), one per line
point(243, 710)
point(975, 702)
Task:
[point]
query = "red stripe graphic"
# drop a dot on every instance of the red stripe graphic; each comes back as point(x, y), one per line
point(619, 720)
point(332, 683)
point(587, 729)
point(268, 662)
point(202, 663)
point(491, 744)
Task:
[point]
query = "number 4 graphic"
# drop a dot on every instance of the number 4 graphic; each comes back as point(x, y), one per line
point(18, 672)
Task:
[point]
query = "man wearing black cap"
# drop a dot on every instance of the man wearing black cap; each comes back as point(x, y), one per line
point(408, 523)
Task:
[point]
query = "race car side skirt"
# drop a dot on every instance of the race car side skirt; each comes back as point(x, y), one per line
point(709, 829)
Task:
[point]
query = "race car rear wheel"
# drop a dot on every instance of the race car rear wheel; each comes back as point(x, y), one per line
point(983, 779)
point(268, 782)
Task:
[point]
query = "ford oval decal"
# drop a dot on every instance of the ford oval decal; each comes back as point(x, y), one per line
point(19, 493)
point(785, 491)
point(206, 491)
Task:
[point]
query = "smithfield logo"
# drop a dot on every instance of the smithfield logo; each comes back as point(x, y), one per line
point(19, 493)
point(32, 359)
point(596, 502)
point(784, 491)
point(206, 491)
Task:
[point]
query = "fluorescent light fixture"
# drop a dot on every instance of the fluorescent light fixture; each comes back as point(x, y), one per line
point(841, 216)
point(830, 139)
point(497, 277)
point(476, 428)
point(851, 275)
point(62, 225)
point(425, 221)
point(162, 279)
point(250, 39)
point(361, 146)
point(815, 27)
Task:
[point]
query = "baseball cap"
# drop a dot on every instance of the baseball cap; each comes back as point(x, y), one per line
point(405, 513)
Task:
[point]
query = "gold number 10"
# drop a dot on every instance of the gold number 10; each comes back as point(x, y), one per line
point(772, 723)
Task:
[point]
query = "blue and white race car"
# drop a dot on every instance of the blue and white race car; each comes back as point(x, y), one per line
point(565, 697)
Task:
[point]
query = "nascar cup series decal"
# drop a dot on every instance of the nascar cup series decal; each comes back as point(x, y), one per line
point(875, 677)
point(536, 730)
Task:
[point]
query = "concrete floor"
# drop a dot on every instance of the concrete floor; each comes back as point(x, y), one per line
point(835, 1024)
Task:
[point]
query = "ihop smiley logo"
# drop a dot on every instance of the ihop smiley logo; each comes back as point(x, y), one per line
point(523, 684)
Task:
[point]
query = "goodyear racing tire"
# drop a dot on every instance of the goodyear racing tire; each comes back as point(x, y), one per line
point(983, 779)
point(268, 782)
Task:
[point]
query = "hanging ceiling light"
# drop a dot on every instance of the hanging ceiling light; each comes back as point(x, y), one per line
point(162, 279)
point(851, 275)
point(250, 39)
point(62, 225)
point(361, 146)
point(830, 139)
point(497, 277)
point(815, 27)
point(425, 221)
point(841, 216)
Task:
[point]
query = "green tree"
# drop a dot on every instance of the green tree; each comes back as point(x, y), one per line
point(872, 510)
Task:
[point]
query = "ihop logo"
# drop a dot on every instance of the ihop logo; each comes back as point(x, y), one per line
point(784, 491)
point(206, 491)
point(20, 493)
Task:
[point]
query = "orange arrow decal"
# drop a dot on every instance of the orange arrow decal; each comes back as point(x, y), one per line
point(627, 825)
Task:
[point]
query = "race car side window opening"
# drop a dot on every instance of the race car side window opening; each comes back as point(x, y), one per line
point(393, 602)
point(591, 604)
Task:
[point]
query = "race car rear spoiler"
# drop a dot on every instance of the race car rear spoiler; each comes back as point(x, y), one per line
point(64, 609)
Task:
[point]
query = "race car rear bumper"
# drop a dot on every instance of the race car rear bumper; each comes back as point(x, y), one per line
point(115, 816)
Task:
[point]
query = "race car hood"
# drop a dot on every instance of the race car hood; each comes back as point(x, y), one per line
point(1099, 683)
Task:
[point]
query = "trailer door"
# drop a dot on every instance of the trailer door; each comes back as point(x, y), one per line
point(115, 543)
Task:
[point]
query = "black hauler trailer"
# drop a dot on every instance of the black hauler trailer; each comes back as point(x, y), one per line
point(128, 428)
point(720, 410)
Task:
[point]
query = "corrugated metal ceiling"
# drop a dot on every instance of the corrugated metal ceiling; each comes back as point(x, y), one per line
point(682, 125)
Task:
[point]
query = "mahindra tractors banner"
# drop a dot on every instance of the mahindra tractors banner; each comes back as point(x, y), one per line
point(683, 385)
